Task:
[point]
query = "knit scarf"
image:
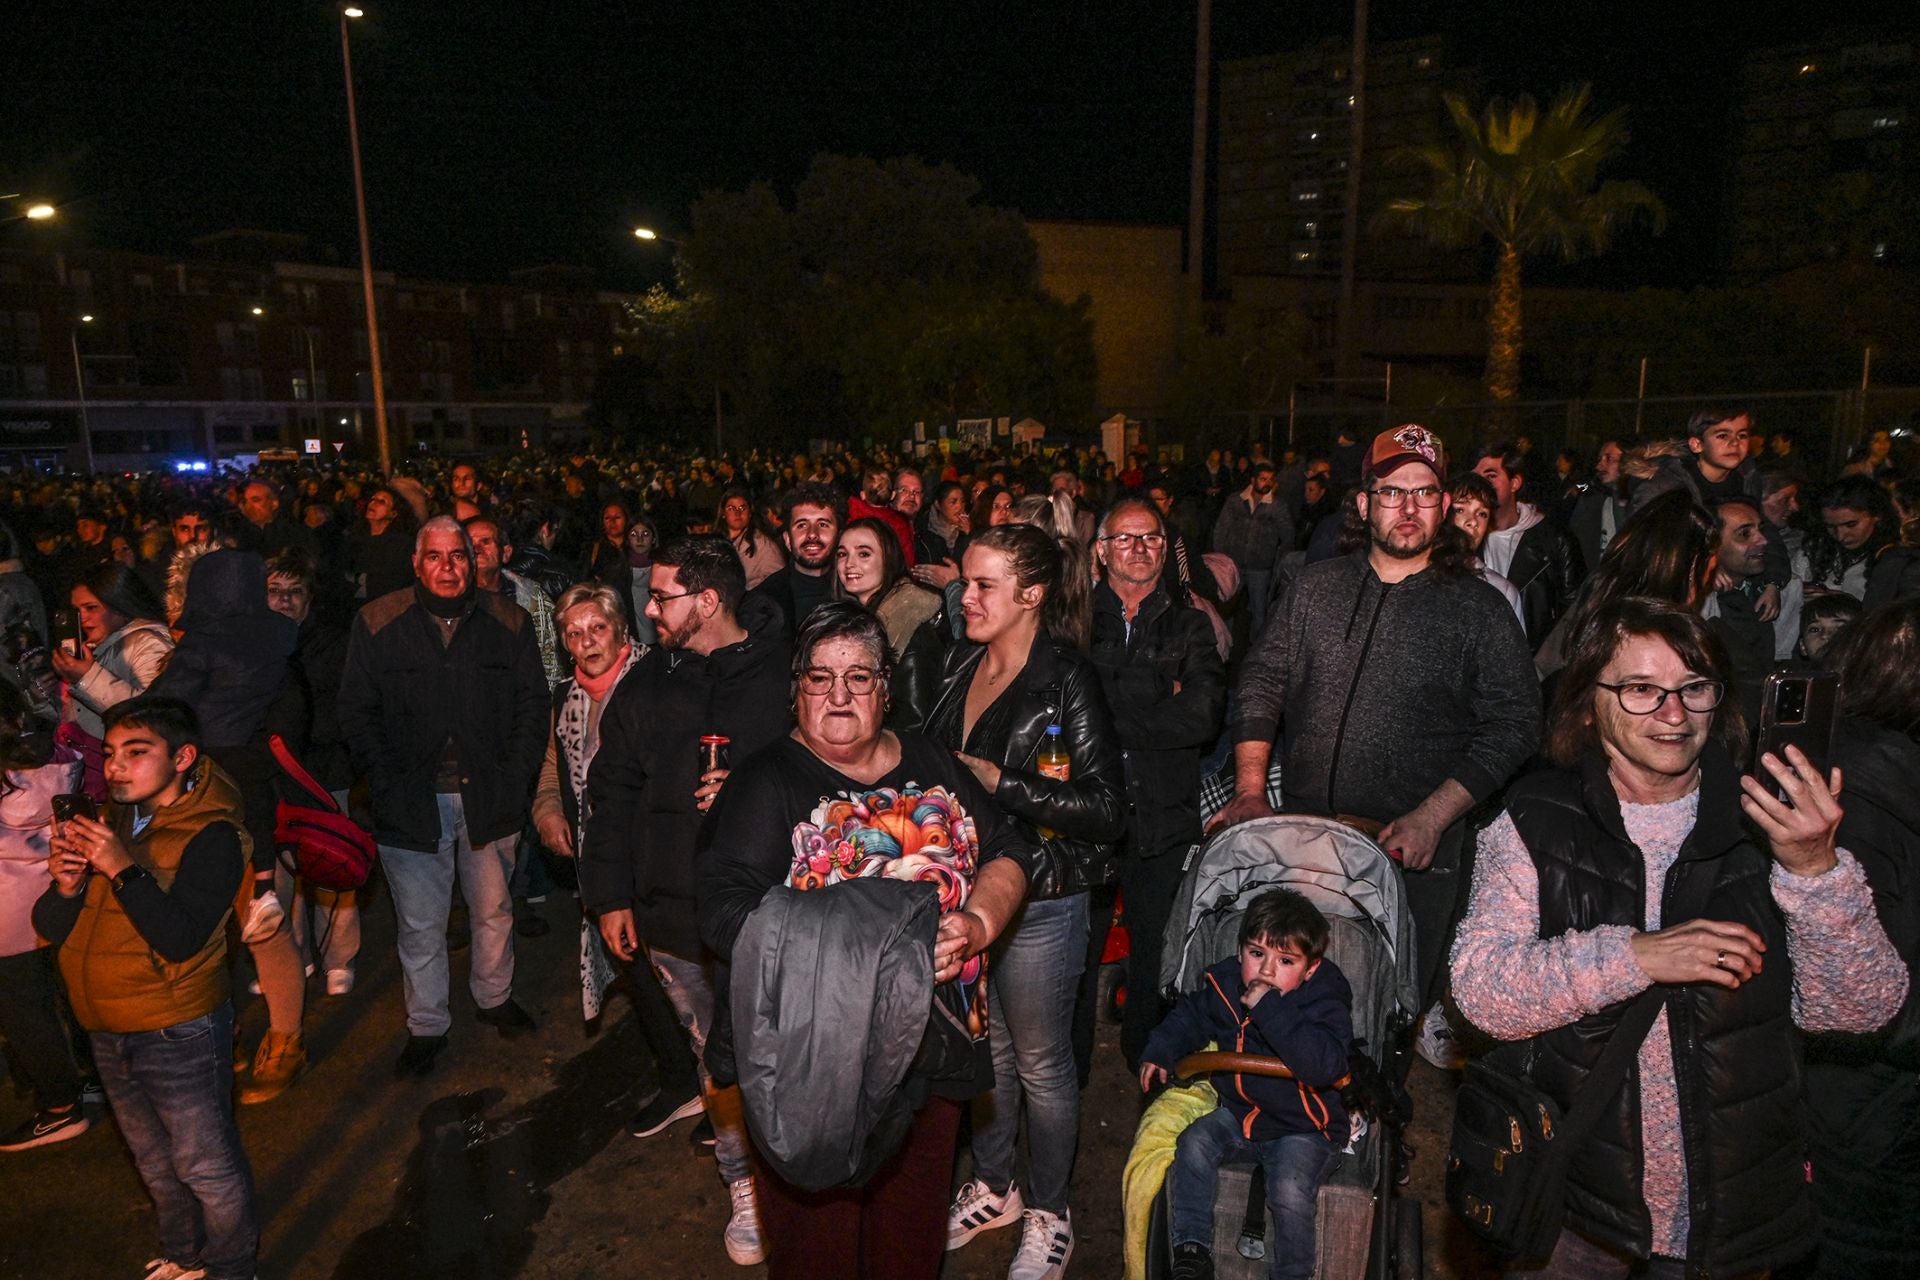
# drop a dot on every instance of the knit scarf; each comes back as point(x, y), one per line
point(576, 717)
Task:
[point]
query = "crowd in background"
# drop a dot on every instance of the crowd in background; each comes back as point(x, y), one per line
point(506, 669)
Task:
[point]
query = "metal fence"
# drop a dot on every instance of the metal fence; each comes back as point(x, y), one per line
point(1827, 425)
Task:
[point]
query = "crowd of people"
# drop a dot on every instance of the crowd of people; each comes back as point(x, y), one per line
point(979, 697)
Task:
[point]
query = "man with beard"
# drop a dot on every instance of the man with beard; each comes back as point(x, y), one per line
point(1405, 689)
point(715, 670)
point(811, 517)
point(445, 711)
point(1254, 530)
point(875, 501)
point(1755, 645)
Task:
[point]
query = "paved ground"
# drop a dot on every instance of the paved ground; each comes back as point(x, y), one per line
point(512, 1159)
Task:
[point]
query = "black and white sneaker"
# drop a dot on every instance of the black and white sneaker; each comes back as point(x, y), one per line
point(1046, 1242)
point(980, 1208)
point(671, 1107)
point(45, 1129)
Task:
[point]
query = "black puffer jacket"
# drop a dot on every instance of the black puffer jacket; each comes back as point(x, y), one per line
point(1167, 689)
point(1086, 814)
point(1736, 1054)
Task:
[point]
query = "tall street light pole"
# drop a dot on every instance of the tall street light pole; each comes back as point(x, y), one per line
point(651, 236)
point(366, 251)
point(80, 387)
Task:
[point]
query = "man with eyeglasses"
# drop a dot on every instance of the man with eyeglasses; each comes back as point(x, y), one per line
point(1167, 689)
point(716, 669)
point(1254, 530)
point(1405, 689)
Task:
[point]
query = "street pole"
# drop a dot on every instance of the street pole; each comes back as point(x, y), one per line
point(1346, 335)
point(1640, 399)
point(1197, 169)
point(80, 384)
point(366, 253)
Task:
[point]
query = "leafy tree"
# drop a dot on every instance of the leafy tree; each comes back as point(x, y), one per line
point(884, 294)
point(1220, 377)
point(1530, 182)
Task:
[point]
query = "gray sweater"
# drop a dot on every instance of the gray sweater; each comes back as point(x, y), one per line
point(1388, 691)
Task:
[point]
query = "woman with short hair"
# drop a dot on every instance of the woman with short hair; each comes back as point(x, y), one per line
point(1627, 868)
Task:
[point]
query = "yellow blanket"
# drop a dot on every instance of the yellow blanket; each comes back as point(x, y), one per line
point(1153, 1142)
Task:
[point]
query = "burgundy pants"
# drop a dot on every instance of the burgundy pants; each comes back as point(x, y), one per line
point(894, 1228)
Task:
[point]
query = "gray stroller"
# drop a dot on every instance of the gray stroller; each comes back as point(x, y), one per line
point(1363, 1228)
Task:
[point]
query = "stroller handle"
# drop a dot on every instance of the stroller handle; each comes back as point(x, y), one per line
point(1223, 1062)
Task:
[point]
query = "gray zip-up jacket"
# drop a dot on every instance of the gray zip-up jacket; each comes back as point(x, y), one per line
point(1386, 691)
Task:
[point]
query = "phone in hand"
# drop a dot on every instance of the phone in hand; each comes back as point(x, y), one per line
point(1797, 709)
point(68, 806)
point(63, 631)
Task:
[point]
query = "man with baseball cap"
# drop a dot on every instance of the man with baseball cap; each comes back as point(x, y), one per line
point(1403, 689)
point(1254, 529)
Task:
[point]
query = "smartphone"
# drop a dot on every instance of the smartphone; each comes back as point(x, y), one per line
point(1797, 709)
point(64, 626)
point(72, 805)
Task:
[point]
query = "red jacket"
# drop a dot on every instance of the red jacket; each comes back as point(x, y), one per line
point(859, 509)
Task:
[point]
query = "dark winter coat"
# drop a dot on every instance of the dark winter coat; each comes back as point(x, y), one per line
point(1387, 691)
point(1737, 1066)
point(405, 692)
point(1163, 734)
point(1546, 570)
point(231, 662)
point(1086, 814)
point(641, 825)
point(1253, 534)
point(1309, 1029)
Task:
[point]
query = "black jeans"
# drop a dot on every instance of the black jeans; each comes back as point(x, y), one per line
point(1149, 885)
point(1434, 898)
point(35, 1024)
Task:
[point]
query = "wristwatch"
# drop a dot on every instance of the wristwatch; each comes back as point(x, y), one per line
point(134, 871)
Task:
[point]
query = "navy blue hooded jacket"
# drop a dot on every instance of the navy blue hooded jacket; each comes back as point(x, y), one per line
point(1309, 1029)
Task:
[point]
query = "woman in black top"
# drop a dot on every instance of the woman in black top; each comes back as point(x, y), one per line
point(1019, 673)
point(845, 798)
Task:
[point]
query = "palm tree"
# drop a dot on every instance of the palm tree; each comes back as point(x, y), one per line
point(1531, 182)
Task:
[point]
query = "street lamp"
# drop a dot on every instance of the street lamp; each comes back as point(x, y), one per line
point(80, 386)
point(366, 251)
point(40, 212)
point(654, 237)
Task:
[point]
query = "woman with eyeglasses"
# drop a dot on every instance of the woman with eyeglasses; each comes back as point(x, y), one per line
point(843, 798)
point(630, 575)
point(1627, 868)
point(1018, 677)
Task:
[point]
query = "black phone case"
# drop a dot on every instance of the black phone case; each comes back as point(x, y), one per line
point(1812, 732)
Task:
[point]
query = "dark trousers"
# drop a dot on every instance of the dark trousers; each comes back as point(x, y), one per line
point(893, 1228)
point(660, 1028)
point(1434, 897)
point(1149, 885)
point(35, 1025)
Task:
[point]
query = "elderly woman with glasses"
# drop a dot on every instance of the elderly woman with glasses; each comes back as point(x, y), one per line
point(1628, 869)
point(844, 798)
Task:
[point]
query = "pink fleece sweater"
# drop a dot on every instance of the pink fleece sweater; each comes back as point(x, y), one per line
point(1512, 983)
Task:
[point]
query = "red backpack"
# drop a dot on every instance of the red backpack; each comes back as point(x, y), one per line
point(331, 850)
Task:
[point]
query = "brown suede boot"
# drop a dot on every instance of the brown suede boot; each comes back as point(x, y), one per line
point(280, 1060)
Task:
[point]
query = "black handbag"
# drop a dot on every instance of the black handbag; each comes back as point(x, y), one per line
point(1511, 1147)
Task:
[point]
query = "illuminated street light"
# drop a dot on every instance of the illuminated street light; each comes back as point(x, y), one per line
point(645, 233)
point(86, 319)
point(40, 212)
point(366, 251)
point(259, 311)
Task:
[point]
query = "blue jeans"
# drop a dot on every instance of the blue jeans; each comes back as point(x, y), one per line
point(1259, 584)
point(422, 885)
point(172, 1096)
point(689, 988)
point(1295, 1166)
point(1033, 974)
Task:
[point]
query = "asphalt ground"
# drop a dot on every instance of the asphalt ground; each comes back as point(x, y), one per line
point(512, 1159)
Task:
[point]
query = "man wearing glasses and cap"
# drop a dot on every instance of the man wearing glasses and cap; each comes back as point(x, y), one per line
point(1403, 690)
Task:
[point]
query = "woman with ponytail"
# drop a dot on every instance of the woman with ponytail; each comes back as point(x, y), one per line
point(1016, 690)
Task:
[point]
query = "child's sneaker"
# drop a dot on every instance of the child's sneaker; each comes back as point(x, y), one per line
point(1192, 1262)
point(978, 1208)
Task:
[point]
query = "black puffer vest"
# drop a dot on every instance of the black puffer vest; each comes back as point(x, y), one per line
point(1736, 1054)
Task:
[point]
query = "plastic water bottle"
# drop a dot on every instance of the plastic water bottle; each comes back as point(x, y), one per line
point(1054, 761)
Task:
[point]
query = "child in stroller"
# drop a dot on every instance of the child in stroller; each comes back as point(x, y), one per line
point(1279, 997)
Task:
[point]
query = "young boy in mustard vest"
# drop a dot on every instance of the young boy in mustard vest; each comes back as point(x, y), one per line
point(137, 911)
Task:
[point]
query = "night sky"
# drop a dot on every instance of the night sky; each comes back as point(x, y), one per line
point(504, 135)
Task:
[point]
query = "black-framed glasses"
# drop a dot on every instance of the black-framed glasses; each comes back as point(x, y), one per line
point(1126, 541)
point(818, 682)
point(1637, 698)
point(1388, 495)
point(660, 598)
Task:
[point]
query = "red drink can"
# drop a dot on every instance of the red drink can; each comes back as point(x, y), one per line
point(716, 752)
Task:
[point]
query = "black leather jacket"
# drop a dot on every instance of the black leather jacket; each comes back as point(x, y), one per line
point(1546, 570)
point(1078, 823)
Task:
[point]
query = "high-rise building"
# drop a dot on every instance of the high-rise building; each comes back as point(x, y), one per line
point(1823, 164)
point(1283, 154)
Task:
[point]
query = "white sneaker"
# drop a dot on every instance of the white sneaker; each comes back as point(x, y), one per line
point(1046, 1242)
point(339, 981)
point(264, 918)
point(742, 1236)
point(977, 1208)
point(1437, 1043)
point(161, 1269)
